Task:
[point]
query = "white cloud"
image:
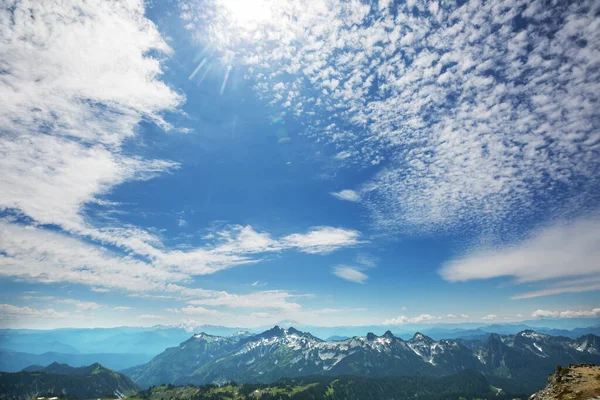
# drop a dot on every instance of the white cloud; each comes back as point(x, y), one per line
point(490, 317)
point(592, 313)
point(423, 318)
point(77, 80)
point(100, 290)
point(38, 297)
point(476, 124)
point(121, 308)
point(366, 260)
point(348, 195)
point(349, 273)
point(202, 311)
point(151, 316)
point(260, 315)
point(588, 284)
point(322, 239)
point(268, 299)
point(258, 283)
point(12, 312)
point(80, 305)
point(415, 320)
point(541, 257)
point(49, 257)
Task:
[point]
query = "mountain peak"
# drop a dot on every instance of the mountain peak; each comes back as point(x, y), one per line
point(388, 334)
point(274, 331)
point(531, 334)
point(419, 337)
point(201, 335)
point(293, 330)
point(371, 336)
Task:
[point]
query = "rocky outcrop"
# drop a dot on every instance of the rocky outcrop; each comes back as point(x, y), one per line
point(577, 382)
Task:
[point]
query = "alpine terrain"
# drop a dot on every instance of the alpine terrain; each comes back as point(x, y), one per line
point(517, 363)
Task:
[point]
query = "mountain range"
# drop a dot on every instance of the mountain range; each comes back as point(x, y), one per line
point(57, 379)
point(517, 363)
point(14, 361)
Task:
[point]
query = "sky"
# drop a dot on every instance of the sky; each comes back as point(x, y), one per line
point(328, 162)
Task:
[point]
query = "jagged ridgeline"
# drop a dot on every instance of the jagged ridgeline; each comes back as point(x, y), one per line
point(93, 381)
point(463, 385)
point(516, 363)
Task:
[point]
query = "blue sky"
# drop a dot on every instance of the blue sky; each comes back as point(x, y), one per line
point(240, 163)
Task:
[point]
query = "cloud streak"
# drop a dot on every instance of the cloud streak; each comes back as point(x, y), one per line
point(348, 195)
point(349, 273)
point(592, 313)
point(559, 251)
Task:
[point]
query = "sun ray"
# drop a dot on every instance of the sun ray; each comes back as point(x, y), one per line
point(197, 69)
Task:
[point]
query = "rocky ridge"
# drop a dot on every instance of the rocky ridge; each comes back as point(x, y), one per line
point(577, 382)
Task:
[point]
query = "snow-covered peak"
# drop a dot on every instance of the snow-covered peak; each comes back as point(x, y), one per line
point(388, 334)
point(419, 337)
point(207, 337)
point(530, 334)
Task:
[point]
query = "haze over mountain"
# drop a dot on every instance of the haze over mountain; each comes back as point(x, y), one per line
point(518, 363)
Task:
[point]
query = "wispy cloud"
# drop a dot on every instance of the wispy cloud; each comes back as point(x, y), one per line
point(80, 305)
point(62, 80)
point(323, 239)
point(151, 317)
point(349, 273)
point(419, 319)
point(268, 299)
point(203, 312)
point(408, 320)
point(544, 256)
point(588, 284)
point(12, 312)
point(591, 313)
point(490, 317)
point(348, 195)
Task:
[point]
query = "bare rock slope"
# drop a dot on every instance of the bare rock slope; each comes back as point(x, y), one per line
point(577, 382)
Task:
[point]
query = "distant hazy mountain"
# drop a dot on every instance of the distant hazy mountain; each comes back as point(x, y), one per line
point(93, 381)
point(11, 361)
point(99, 340)
point(129, 340)
point(518, 362)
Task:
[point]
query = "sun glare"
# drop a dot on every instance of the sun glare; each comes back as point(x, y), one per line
point(247, 13)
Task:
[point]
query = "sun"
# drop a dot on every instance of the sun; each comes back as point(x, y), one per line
point(247, 13)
